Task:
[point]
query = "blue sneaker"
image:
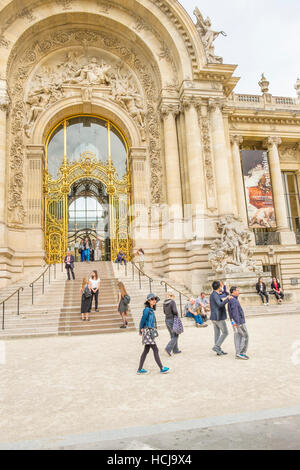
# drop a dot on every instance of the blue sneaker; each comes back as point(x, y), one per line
point(165, 370)
point(142, 372)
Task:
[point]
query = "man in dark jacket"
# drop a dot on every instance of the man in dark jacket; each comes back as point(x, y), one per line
point(69, 265)
point(170, 311)
point(237, 317)
point(218, 316)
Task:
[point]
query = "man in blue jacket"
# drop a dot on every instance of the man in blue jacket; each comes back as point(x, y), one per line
point(237, 317)
point(218, 316)
point(69, 265)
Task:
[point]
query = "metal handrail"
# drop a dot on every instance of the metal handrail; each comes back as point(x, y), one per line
point(134, 266)
point(42, 276)
point(143, 274)
point(5, 300)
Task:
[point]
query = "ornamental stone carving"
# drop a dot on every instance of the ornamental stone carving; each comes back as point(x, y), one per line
point(34, 88)
point(208, 36)
point(231, 252)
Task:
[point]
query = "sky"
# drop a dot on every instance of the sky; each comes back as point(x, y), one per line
point(263, 36)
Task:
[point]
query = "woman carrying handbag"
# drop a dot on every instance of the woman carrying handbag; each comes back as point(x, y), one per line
point(172, 323)
point(148, 331)
point(86, 299)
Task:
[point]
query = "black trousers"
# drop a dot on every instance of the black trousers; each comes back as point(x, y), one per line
point(69, 268)
point(94, 295)
point(262, 295)
point(145, 353)
point(278, 295)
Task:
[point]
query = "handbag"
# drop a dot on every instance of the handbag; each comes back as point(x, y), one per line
point(126, 299)
point(153, 331)
point(177, 326)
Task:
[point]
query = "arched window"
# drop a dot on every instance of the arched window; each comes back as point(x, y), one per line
point(76, 135)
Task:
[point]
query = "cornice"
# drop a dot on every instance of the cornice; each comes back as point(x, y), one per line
point(263, 119)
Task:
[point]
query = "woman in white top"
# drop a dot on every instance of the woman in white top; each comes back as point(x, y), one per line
point(95, 286)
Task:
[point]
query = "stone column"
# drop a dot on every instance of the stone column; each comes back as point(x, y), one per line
point(224, 184)
point(4, 103)
point(174, 190)
point(286, 236)
point(236, 141)
point(194, 156)
point(140, 196)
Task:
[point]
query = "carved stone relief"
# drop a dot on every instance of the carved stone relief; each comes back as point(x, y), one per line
point(32, 91)
point(289, 154)
point(208, 163)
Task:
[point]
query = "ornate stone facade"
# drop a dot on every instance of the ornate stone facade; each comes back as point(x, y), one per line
point(147, 67)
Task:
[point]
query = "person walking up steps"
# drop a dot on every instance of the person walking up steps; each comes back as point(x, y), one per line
point(123, 306)
point(237, 317)
point(149, 333)
point(218, 316)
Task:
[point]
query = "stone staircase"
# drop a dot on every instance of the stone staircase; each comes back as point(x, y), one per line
point(108, 319)
point(57, 312)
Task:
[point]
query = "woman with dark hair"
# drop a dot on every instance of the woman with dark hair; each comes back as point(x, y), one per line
point(124, 300)
point(149, 333)
point(262, 291)
point(276, 290)
point(95, 286)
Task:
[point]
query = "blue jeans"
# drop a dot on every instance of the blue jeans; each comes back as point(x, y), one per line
point(87, 254)
point(197, 318)
point(82, 255)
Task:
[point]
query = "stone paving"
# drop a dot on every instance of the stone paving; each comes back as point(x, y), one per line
point(61, 386)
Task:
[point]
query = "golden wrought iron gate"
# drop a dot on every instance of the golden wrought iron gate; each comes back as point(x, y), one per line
point(56, 193)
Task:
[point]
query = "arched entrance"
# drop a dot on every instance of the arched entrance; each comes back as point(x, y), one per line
point(88, 216)
point(86, 187)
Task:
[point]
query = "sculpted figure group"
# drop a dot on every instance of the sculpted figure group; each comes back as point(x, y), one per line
point(51, 82)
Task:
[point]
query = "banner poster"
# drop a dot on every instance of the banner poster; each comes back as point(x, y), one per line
point(258, 189)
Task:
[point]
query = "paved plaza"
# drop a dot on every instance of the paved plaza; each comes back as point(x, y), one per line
point(57, 387)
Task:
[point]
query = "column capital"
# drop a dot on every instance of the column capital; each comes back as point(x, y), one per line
point(166, 109)
point(236, 139)
point(216, 103)
point(190, 100)
point(273, 140)
point(137, 153)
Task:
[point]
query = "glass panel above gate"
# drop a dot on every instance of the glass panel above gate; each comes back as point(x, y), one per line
point(77, 135)
point(86, 186)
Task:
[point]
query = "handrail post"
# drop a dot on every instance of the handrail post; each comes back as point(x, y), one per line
point(43, 290)
point(140, 280)
point(32, 293)
point(125, 269)
point(150, 281)
point(3, 310)
point(18, 308)
point(180, 304)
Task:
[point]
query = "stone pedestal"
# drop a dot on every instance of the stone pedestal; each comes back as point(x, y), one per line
point(246, 283)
